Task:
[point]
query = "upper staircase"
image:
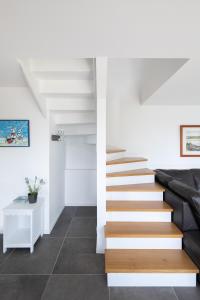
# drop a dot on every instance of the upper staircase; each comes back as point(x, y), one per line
point(143, 246)
point(66, 90)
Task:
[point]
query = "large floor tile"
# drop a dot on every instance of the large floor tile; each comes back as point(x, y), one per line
point(21, 261)
point(61, 227)
point(78, 256)
point(2, 255)
point(142, 293)
point(76, 287)
point(188, 293)
point(82, 227)
point(86, 211)
point(69, 211)
point(22, 287)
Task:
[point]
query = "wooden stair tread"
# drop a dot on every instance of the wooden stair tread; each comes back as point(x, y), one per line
point(148, 261)
point(137, 172)
point(125, 160)
point(149, 206)
point(140, 187)
point(111, 149)
point(142, 229)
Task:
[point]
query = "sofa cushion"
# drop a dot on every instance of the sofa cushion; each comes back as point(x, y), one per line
point(197, 183)
point(163, 178)
point(196, 175)
point(191, 244)
point(189, 194)
point(182, 189)
point(182, 215)
point(185, 176)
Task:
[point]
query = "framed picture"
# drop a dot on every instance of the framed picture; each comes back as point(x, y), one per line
point(14, 133)
point(190, 140)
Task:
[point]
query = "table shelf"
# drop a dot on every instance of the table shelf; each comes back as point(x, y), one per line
point(23, 224)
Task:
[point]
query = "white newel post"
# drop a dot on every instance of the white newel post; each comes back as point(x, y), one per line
point(101, 91)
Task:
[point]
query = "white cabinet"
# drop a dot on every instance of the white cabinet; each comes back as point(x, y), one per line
point(23, 224)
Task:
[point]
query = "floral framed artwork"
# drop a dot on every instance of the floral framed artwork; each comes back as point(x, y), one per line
point(14, 133)
point(190, 140)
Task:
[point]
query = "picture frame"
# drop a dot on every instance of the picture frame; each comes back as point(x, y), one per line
point(190, 140)
point(14, 133)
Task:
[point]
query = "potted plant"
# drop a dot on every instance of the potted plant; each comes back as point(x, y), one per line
point(33, 188)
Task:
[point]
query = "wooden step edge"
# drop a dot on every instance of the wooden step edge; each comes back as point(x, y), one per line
point(137, 172)
point(141, 232)
point(140, 187)
point(159, 261)
point(137, 206)
point(125, 160)
point(114, 150)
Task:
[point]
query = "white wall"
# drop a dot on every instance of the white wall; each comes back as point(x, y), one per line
point(149, 131)
point(80, 172)
point(18, 163)
point(56, 176)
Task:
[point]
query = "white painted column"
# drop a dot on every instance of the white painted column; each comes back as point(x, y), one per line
point(101, 91)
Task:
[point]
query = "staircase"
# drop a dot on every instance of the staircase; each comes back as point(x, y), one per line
point(65, 89)
point(143, 246)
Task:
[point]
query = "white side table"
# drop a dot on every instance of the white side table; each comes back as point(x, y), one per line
point(23, 224)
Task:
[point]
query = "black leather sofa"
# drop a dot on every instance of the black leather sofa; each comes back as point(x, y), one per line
point(183, 194)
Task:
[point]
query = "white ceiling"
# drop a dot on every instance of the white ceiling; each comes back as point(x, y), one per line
point(49, 29)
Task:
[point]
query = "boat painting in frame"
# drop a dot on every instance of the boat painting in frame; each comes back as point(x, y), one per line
point(190, 140)
point(14, 133)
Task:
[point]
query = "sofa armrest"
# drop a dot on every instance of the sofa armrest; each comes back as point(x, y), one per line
point(183, 190)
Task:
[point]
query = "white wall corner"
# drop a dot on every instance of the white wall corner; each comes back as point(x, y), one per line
point(33, 85)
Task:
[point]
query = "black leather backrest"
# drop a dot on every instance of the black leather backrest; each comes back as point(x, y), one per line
point(185, 176)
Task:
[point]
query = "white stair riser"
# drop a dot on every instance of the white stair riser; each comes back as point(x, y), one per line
point(151, 279)
point(135, 196)
point(75, 118)
point(66, 86)
point(123, 180)
point(125, 167)
point(70, 104)
point(112, 156)
point(138, 216)
point(68, 65)
point(78, 129)
point(143, 243)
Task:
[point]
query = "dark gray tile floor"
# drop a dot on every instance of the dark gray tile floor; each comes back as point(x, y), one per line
point(64, 266)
